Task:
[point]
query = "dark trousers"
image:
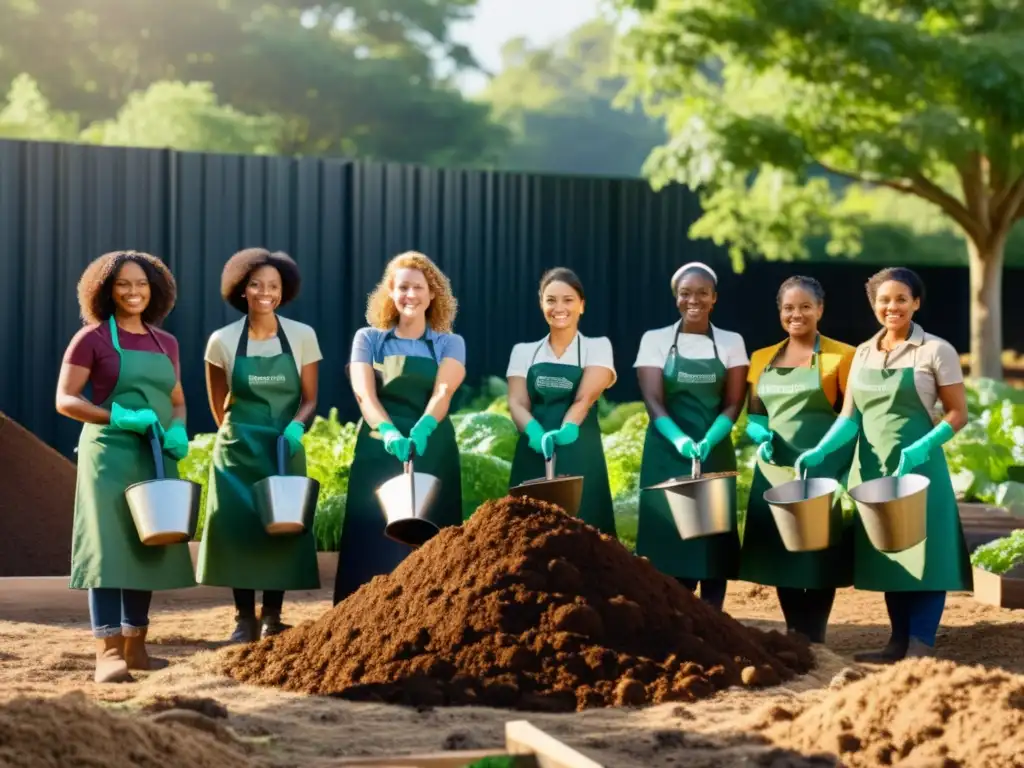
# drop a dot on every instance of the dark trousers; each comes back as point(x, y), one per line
point(915, 614)
point(712, 591)
point(245, 602)
point(807, 610)
point(118, 611)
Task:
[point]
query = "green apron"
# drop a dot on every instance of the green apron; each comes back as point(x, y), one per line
point(105, 547)
point(799, 414)
point(552, 388)
point(404, 387)
point(236, 550)
point(693, 398)
point(893, 418)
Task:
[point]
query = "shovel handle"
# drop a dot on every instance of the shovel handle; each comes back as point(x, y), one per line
point(549, 468)
point(407, 465)
point(695, 469)
point(282, 454)
point(158, 450)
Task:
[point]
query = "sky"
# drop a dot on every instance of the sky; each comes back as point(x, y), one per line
point(498, 21)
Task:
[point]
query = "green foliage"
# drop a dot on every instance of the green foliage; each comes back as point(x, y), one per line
point(196, 467)
point(483, 477)
point(981, 454)
point(370, 78)
point(27, 114)
point(1001, 555)
point(623, 450)
point(492, 389)
point(619, 415)
point(488, 433)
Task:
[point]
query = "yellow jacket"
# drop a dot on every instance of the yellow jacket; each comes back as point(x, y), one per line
point(835, 360)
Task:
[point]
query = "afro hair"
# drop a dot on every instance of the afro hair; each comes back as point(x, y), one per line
point(240, 266)
point(96, 287)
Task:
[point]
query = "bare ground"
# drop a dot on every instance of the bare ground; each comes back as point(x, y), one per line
point(47, 651)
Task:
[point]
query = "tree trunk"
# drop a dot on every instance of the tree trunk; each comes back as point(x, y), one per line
point(986, 265)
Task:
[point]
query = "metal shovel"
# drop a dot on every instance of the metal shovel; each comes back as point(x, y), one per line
point(285, 503)
point(700, 505)
point(165, 510)
point(406, 500)
point(565, 492)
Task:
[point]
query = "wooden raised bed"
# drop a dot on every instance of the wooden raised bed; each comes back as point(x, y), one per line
point(1006, 591)
point(526, 746)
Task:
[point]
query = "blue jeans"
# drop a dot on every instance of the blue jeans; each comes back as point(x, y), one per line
point(118, 611)
point(712, 591)
point(915, 614)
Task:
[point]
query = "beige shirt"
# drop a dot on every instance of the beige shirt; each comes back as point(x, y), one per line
point(935, 363)
point(220, 349)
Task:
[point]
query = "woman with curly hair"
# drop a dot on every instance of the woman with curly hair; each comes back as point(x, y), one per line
point(905, 399)
point(405, 367)
point(261, 378)
point(132, 369)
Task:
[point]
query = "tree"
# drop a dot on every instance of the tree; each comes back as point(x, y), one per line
point(557, 102)
point(357, 78)
point(922, 97)
point(28, 115)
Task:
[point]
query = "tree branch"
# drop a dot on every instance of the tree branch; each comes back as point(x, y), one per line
point(1011, 208)
point(923, 187)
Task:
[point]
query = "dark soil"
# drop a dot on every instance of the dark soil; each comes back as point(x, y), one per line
point(37, 505)
point(522, 607)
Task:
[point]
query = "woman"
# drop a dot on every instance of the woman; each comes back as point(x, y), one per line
point(132, 369)
point(795, 388)
point(261, 379)
point(897, 378)
point(553, 385)
point(693, 378)
point(405, 368)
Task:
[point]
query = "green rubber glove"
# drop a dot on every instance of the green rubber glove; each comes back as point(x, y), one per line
point(842, 431)
point(421, 432)
point(671, 432)
point(394, 443)
point(916, 454)
point(719, 428)
point(758, 432)
point(133, 421)
point(534, 432)
point(293, 434)
point(175, 441)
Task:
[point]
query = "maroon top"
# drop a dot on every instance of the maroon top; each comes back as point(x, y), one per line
point(93, 348)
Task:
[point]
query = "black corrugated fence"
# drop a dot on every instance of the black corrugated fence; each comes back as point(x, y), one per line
point(493, 234)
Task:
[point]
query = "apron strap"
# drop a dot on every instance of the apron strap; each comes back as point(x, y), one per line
point(392, 335)
point(815, 354)
point(674, 349)
point(116, 341)
point(243, 339)
point(579, 352)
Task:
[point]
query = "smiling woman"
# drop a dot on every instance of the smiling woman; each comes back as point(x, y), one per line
point(405, 368)
point(261, 378)
point(132, 370)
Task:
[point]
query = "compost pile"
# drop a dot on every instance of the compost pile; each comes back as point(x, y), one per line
point(920, 712)
point(37, 504)
point(521, 607)
point(54, 733)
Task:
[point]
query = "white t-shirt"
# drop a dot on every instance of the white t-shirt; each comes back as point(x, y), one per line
point(655, 346)
point(595, 351)
point(220, 349)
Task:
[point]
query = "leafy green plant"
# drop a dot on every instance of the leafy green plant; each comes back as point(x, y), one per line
point(488, 433)
point(619, 415)
point(483, 477)
point(1001, 555)
point(196, 467)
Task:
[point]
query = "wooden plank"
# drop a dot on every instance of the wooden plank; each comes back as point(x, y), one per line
point(523, 738)
point(450, 759)
point(1000, 591)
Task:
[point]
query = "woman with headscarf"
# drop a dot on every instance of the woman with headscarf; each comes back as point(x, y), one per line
point(693, 377)
point(898, 379)
point(132, 369)
point(406, 366)
point(261, 378)
point(796, 387)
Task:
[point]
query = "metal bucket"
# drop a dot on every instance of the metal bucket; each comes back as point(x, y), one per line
point(565, 492)
point(165, 510)
point(802, 509)
point(894, 511)
point(701, 506)
point(406, 500)
point(285, 503)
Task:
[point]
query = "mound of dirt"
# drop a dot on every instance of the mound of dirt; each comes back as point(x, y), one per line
point(37, 505)
point(521, 607)
point(71, 731)
point(922, 712)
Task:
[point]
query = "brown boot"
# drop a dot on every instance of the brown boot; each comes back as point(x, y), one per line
point(110, 664)
point(135, 653)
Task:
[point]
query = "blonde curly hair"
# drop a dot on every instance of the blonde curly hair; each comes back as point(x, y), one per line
point(381, 311)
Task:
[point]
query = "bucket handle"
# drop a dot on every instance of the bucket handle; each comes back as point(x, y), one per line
point(412, 477)
point(282, 452)
point(158, 450)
